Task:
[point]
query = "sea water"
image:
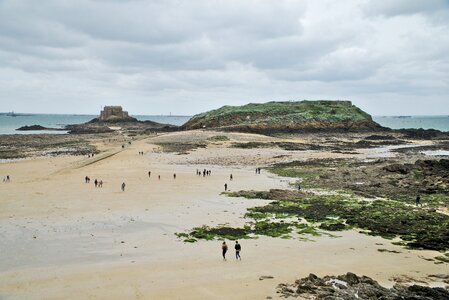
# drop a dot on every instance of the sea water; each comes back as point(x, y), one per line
point(425, 122)
point(9, 124)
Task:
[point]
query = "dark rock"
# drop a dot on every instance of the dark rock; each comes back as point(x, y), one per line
point(428, 293)
point(36, 127)
point(352, 287)
point(376, 137)
point(398, 168)
point(351, 278)
point(423, 134)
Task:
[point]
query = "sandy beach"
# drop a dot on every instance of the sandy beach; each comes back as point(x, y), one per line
point(65, 239)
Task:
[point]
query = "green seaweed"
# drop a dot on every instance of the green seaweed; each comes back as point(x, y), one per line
point(218, 138)
point(418, 228)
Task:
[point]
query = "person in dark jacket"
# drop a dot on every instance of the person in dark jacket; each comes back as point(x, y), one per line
point(238, 248)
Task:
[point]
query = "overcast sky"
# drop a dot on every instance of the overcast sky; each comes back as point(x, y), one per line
point(155, 57)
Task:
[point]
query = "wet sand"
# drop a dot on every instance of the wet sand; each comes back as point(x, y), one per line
point(64, 239)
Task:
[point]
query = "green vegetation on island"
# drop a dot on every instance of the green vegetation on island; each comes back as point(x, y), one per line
point(285, 116)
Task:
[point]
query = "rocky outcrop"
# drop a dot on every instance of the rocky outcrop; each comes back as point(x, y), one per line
point(353, 287)
point(36, 127)
point(88, 128)
point(293, 116)
point(432, 175)
point(115, 118)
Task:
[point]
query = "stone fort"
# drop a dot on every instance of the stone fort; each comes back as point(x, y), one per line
point(114, 113)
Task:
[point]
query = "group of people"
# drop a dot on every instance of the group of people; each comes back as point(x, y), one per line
point(97, 183)
point(7, 178)
point(204, 173)
point(258, 170)
point(159, 176)
point(237, 247)
point(140, 152)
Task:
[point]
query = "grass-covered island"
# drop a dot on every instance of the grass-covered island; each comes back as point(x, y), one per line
point(288, 116)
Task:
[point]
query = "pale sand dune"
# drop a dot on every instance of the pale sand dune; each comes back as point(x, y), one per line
point(62, 238)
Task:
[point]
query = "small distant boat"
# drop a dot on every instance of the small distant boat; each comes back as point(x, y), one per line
point(13, 114)
point(402, 117)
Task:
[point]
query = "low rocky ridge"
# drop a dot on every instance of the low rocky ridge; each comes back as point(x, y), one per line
point(387, 177)
point(352, 287)
point(134, 127)
point(36, 127)
point(28, 145)
point(284, 117)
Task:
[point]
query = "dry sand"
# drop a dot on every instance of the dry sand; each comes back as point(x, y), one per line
point(64, 239)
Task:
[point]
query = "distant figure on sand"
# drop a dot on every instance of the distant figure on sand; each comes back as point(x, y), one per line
point(174, 176)
point(226, 187)
point(86, 179)
point(123, 187)
point(230, 177)
point(149, 173)
point(418, 200)
point(238, 248)
point(224, 249)
point(96, 182)
point(100, 183)
point(159, 177)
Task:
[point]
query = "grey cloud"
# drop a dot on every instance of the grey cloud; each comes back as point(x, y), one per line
point(73, 56)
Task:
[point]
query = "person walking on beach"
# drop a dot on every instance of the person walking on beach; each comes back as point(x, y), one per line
point(238, 248)
point(8, 179)
point(224, 249)
point(174, 175)
point(100, 183)
point(226, 187)
point(96, 182)
point(418, 200)
point(149, 174)
point(86, 179)
point(159, 177)
point(230, 177)
point(123, 187)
